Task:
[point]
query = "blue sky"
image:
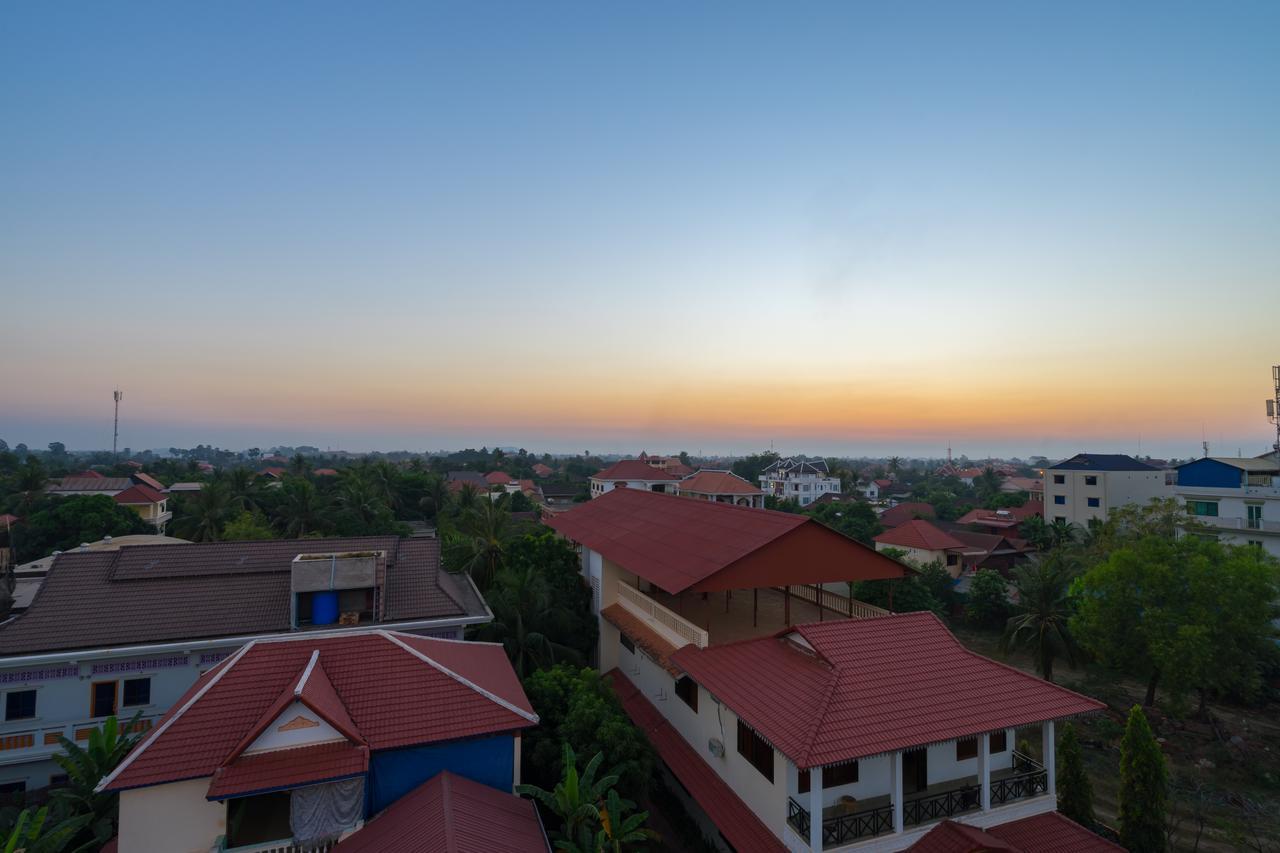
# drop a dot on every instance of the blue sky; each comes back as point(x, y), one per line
point(837, 227)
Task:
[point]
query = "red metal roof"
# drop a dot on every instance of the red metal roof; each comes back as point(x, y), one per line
point(452, 814)
point(382, 680)
point(288, 768)
point(642, 635)
point(148, 480)
point(497, 478)
point(677, 543)
point(717, 483)
point(633, 469)
point(904, 512)
point(139, 494)
point(735, 820)
point(1049, 832)
point(919, 534)
point(871, 686)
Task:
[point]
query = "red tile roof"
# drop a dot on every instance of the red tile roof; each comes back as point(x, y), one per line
point(326, 472)
point(381, 679)
point(498, 478)
point(452, 814)
point(633, 469)
point(148, 480)
point(871, 686)
point(1006, 517)
point(7, 520)
point(1049, 832)
point(735, 820)
point(919, 534)
point(275, 472)
point(288, 768)
point(907, 511)
point(139, 495)
point(642, 635)
point(679, 469)
point(87, 474)
point(718, 483)
point(884, 483)
point(677, 543)
point(542, 470)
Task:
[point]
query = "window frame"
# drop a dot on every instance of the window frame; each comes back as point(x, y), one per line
point(687, 689)
point(1059, 500)
point(626, 643)
point(1091, 479)
point(755, 749)
point(1059, 479)
point(93, 699)
point(1096, 503)
point(124, 692)
point(8, 696)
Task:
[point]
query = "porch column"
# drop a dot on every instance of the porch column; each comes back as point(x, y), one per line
point(1049, 749)
point(895, 784)
point(984, 771)
point(815, 808)
point(755, 606)
point(786, 605)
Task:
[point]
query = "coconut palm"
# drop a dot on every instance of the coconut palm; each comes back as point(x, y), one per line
point(467, 498)
point(31, 481)
point(205, 513)
point(1063, 532)
point(437, 496)
point(361, 498)
point(303, 510)
point(479, 546)
point(242, 489)
point(1042, 611)
point(525, 617)
point(299, 465)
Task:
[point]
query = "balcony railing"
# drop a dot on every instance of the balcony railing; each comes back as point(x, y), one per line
point(284, 845)
point(834, 601)
point(46, 739)
point(941, 805)
point(845, 828)
point(677, 629)
point(1225, 523)
point(1030, 780)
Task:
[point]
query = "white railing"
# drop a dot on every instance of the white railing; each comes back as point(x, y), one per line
point(47, 739)
point(284, 845)
point(834, 601)
point(675, 628)
point(1260, 524)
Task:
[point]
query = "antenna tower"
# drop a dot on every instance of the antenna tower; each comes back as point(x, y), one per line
point(1273, 407)
point(115, 435)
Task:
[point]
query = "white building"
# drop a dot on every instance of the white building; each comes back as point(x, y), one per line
point(1090, 485)
point(760, 720)
point(799, 479)
point(126, 632)
point(723, 487)
point(1237, 498)
point(633, 474)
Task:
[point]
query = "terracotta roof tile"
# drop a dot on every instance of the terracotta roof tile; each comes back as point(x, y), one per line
point(717, 483)
point(148, 480)
point(498, 478)
point(139, 494)
point(904, 512)
point(643, 636)
point(1049, 832)
point(632, 469)
point(871, 686)
point(919, 534)
point(288, 768)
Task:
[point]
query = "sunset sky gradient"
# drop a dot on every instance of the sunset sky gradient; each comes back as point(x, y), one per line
point(841, 228)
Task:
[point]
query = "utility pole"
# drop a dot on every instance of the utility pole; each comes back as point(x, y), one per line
point(1273, 408)
point(115, 435)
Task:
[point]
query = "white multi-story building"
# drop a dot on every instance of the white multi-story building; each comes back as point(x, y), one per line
point(633, 474)
point(1090, 485)
point(788, 723)
point(799, 479)
point(1236, 498)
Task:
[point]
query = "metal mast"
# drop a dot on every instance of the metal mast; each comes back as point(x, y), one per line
point(115, 435)
point(1273, 407)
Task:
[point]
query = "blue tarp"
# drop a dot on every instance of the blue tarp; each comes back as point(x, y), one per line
point(394, 773)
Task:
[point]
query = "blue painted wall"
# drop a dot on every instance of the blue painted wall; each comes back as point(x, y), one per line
point(395, 772)
point(1209, 474)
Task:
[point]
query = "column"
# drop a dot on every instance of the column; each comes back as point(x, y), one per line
point(815, 808)
point(984, 771)
point(895, 781)
point(1049, 750)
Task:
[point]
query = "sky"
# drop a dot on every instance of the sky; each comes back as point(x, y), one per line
point(842, 228)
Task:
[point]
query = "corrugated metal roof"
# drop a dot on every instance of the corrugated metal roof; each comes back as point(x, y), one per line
point(871, 686)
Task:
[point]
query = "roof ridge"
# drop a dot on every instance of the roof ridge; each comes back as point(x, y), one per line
point(446, 806)
point(533, 718)
point(163, 727)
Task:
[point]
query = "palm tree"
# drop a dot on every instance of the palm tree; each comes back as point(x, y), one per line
point(480, 544)
point(360, 497)
point(468, 497)
point(525, 617)
point(575, 799)
point(303, 510)
point(205, 513)
point(299, 465)
point(436, 497)
point(242, 488)
point(1063, 532)
point(895, 465)
point(85, 767)
point(30, 481)
point(1042, 612)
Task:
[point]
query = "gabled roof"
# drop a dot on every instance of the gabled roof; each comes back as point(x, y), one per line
point(148, 480)
point(1006, 517)
point(498, 478)
point(632, 469)
point(475, 478)
point(381, 680)
point(274, 471)
point(97, 483)
point(709, 482)
point(278, 769)
point(156, 593)
point(678, 543)
point(919, 534)
point(798, 465)
point(1049, 832)
point(1261, 465)
point(679, 469)
point(1102, 462)
point(451, 814)
point(863, 687)
point(904, 512)
point(139, 494)
point(542, 470)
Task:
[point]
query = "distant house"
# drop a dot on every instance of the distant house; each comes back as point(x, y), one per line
point(1006, 520)
point(1238, 499)
point(1031, 485)
point(298, 744)
point(904, 512)
point(498, 478)
point(924, 543)
point(632, 474)
point(1090, 485)
point(184, 488)
point(95, 485)
point(325, 472)
point(721, 487)
point(1047, 832)
point(273, 472)
point(560, 494)
point(541, 470)
point(455, 480)
point(799, 479)
point(151, 505)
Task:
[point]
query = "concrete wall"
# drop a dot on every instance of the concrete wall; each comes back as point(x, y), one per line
point(174, 817)
point(1112, 489)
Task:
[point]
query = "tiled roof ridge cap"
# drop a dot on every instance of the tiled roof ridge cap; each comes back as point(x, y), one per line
point(493, 697)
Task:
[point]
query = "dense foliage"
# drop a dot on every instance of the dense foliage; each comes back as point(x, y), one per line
point(1143, 787)
point(1075, 791)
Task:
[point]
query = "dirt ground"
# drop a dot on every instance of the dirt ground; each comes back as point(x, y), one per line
point(1225, 773)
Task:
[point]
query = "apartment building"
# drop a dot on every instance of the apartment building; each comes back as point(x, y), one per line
point(1236, 498)
point(1090, 485)
point(799, 479)
point(126, 632)
point(781, 709)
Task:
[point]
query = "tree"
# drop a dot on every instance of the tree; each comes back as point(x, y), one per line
point(1190, 613)
point(575, 798)
point(64, 523)
point(988, 600)
point(479, 544)
point(895, 465)
point(436, 496)
point(525, 620)
point(248, 526)
point(1075, 791)
point(987, 485)
point(303, 510)
point(856, 520)
point(618, 828)
point(1041, 618)
point(85, 767)
point(299, 465)
point(203, 514)
point(33, 833)
point(1036, 531)
point(1143, 787)
point(242, 488)
point(749, 467)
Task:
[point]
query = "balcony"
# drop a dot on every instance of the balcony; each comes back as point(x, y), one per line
point(846, 823)
point(36, 742)
point(284, 845)
point(669, 625)
point(1257, 525)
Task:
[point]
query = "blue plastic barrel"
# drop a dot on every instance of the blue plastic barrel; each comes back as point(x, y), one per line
point(324, 608)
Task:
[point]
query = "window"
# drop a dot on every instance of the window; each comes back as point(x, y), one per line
point(967, 748)
point(1254, 516)
point(999, 742)
point(1257, 543)
point(20, 705)
point(951, 559)
point(57, 780)
point(755, 749)
point(1060, 499)
point(1091, 480)
point(840, 774)
point(1207, 509)
point(137, 691)
point(1095, 502)
point(804, 781)
point(102, 699)
point(687, 690)
point(626, 643)
point(1059, 479)
point(259, 819)
point(8, 789)
point(1059, 518)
